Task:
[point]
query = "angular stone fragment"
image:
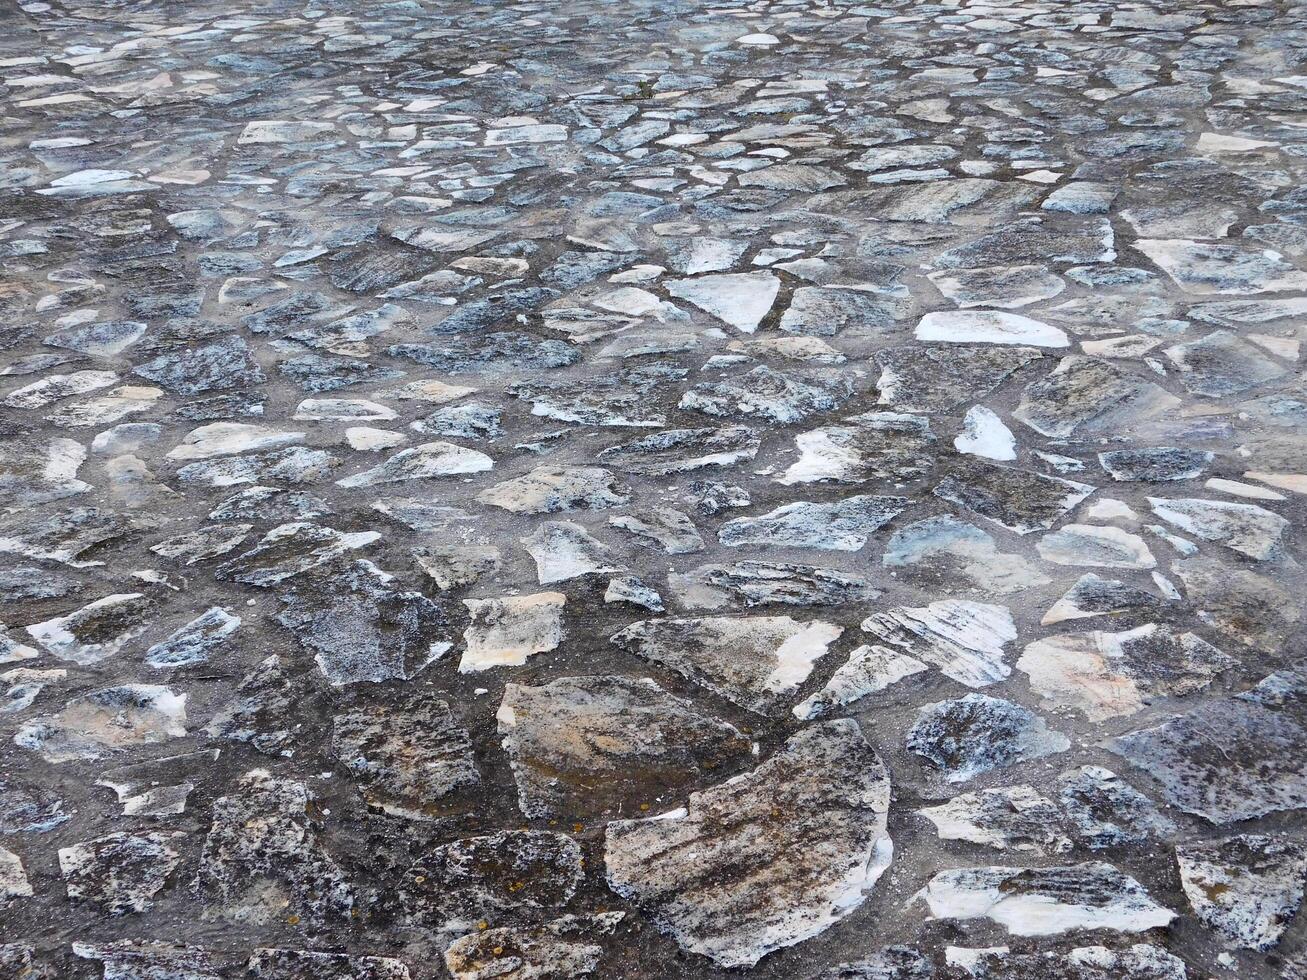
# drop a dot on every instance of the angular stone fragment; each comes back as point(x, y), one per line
point(754, 661)
point(261, 710)
point(1086, 396)
point(550, 489)
point(431, 459)
point(1246, 887)
point(682, 450)
point(1016, 817)
point(1095, 596)
point(971, 735)
point(13, 878)
point(360, 627)
point(944, 547)
point(557, 950)
point(1102, 810)
point(781, 398)
point(841, 526)
point(758, 583)
point(95, 632)
point(884, 445)
point(768, 859)
point(869, 669)
point(194, 642)
point(1250, 608)
point(1019, 500)
point(889, 963)
point(931, 379)
point(409, 756)
point(301, 964)
point(1230, 759)
point(473, 879)
point(739, 299)
point(824, 311)
point(988, 327)
point(1095, 546)
point(1222, 364)
point(106, 721)
point(1246, 528)
point(663, 528)
point(1155, 465)
point(158, 787)
point(263, 857)
point(139, 960)
point(1046, 901)
point(563, 550)
point(963, 639)
point(504, 632)
point(1206, 267)
point(1137, 962)
point(589, 746)
point(453, 565)
point(1106, 675)
point(34, 471)
point(292, 549)
point(999, 286)
point(120, 873)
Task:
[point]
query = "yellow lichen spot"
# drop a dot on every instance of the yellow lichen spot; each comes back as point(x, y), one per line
point(577, 828)
point(498, 951)
point(644, 806)
point(293, 920)
point(419, 878)
point(483, 925)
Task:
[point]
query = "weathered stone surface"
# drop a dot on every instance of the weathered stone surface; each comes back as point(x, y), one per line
point(795, 864)
point(974, 734)
point(1247, 887)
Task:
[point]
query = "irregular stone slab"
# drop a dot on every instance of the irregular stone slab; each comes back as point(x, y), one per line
point(558, 950)
point(472, 879)
point(431, 459)
point(743, 871)
point(54, 387)
point(754, 661)
point(869, 669)
point(563, 550)
point(1250, 608)
point(1045, 901)
point(409, 756)
point(937, 379)
point(875, 445)
point(289, 550)
point(1086, 396)
point(504, 632)
point(1095, 596)
point(1222, 364)
point(778, 397)
point(824, 311)
point(70, 537)
point(1158, 465)
point(988, 327)
point(138, 960)
point(1246, 887)
point(229, 438)
point(1095, 546)
point(1019, 500)
point(360, 627)
point(963, 639)
point(192, 643)
point(971, 735)
point(1004, 287)
point(1246, 528)
point(13, 877)
point(261, 711)
point(158, 787)
point(1080, 241)
point(662, 528)
point(120, 873)
point(1206, 267)
point(1015, 817)
point(37, 471)
point(500, 351)
point(112, 719)
point(942, 548)
point(451, 566)
point(984, 434)
point(550, 489)
point(583, 747)
point(1102, 810)
point(841, 526)
point(759, 583)
point(1138, 962)
point(889, 963)
point(1107, 675)
point(299, 964)
point(1231, 759)
point(97, 631)
point(739, 299)
point(263, 858)
point(217, 366)
point(28, 809)
point(683, 450)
